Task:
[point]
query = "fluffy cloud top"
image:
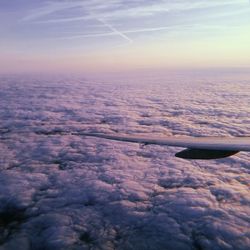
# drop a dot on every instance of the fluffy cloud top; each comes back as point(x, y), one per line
point(59, 191)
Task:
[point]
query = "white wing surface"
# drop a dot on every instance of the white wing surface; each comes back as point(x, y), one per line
point(196, 147)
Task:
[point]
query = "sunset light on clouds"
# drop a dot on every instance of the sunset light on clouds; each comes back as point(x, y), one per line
point(116, 35)
point(96, 100)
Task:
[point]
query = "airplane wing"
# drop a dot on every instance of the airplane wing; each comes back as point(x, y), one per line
point(196, 147)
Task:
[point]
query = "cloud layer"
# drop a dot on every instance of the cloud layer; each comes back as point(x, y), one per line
point(59, 191)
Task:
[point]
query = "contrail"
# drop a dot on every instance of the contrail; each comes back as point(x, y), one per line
point(49, 8)
point(89, 35)
point(120, 33)
point(115, 31)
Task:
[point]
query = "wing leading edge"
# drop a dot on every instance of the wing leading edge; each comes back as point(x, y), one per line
point(196, 147)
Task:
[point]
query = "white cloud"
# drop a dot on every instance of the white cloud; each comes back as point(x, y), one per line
point(62, 191)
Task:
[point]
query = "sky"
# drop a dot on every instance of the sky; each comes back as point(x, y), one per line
point(118, 35)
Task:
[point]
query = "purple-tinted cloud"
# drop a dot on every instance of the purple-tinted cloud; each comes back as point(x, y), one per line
point(60, 191)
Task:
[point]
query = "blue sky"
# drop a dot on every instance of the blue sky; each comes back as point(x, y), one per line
point(116, 33)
